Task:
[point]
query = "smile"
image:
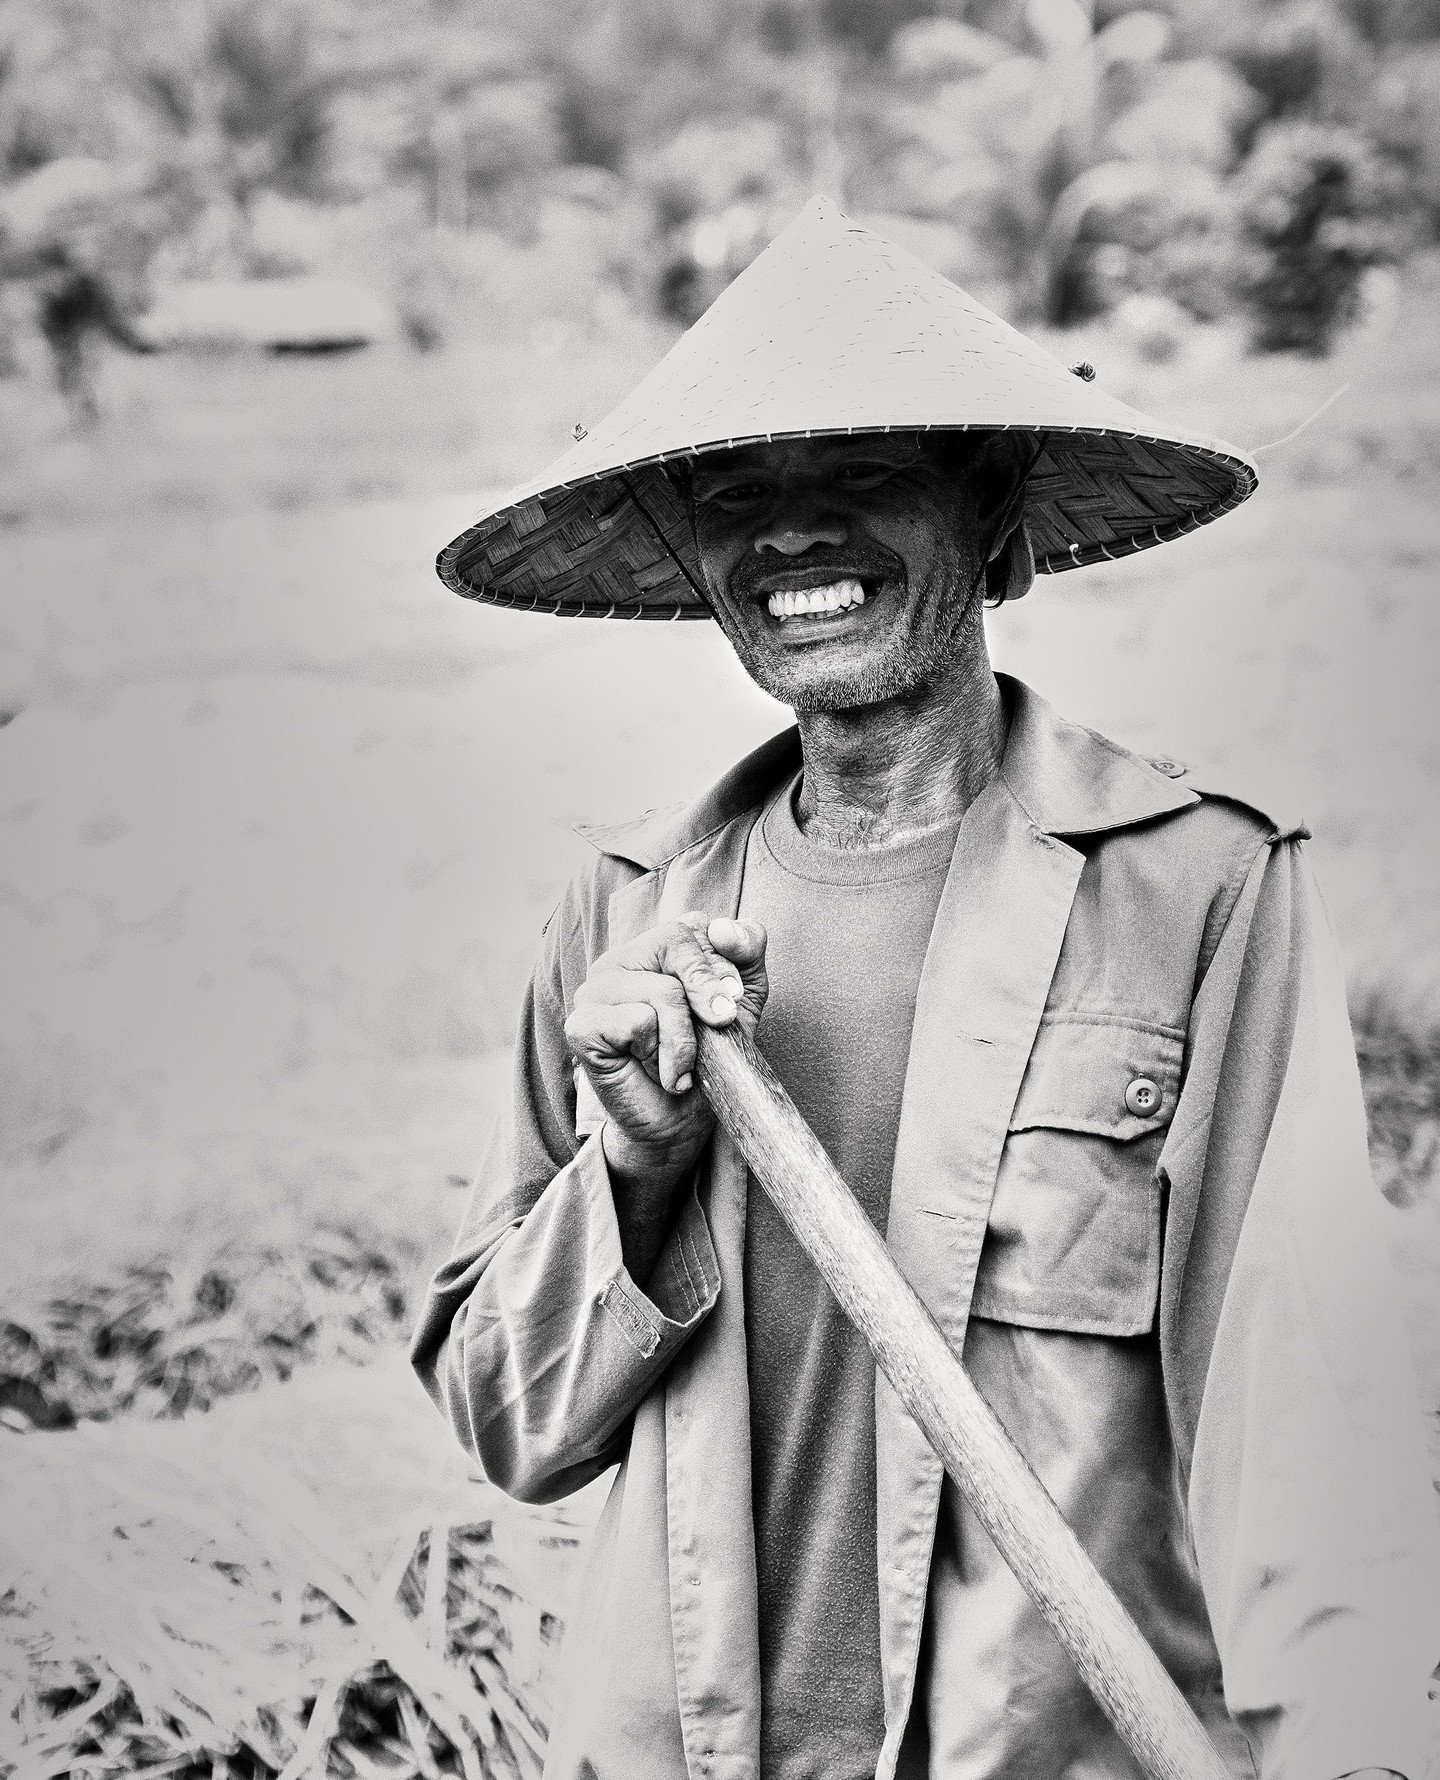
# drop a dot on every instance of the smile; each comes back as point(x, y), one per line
point(834, 596)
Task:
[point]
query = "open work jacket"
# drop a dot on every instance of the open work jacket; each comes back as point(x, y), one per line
point(1176, 1297)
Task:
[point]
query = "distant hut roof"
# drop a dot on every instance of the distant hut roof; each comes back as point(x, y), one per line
point(305, 314)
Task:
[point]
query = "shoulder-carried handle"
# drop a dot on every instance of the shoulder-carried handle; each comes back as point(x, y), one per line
point(1117, 1665)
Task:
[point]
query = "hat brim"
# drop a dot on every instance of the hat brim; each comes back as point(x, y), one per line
point(618, 543)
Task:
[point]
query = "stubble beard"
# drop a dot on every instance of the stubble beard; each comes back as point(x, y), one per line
point(894, 672)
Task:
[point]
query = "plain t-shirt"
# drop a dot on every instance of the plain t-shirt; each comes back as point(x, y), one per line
point(848, 930)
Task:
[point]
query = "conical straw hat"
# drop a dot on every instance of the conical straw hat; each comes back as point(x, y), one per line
point(833, 330)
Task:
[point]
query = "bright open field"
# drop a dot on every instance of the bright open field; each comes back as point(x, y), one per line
point(280, 820)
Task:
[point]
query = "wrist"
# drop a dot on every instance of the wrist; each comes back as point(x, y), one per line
point(643, 1182)
point(653, 1170)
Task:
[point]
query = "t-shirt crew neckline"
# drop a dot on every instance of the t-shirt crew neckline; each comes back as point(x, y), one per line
point(795, 852)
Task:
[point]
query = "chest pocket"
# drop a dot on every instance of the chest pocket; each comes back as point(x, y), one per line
point(1074, 1234)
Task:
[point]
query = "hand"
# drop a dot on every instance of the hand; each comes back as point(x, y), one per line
point(632, 1030)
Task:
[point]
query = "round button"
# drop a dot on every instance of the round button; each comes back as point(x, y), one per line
point(1172, 769)
point(1142, 1097)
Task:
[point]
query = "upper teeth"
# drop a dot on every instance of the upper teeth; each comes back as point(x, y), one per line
point(838, 596)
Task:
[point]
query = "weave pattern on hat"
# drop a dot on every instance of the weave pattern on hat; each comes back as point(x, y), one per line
point(833, 331)
point(605, 549)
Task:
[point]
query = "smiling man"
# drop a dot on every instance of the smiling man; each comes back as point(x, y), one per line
point(1071, 1025)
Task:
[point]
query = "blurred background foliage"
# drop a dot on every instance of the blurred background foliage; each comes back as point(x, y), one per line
point(405, 167)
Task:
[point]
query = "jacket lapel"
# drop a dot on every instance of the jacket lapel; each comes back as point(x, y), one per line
point(987, 972)
point(992, 957)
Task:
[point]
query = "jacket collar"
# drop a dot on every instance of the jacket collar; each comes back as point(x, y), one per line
point(1072, 781)
point(1069, 781)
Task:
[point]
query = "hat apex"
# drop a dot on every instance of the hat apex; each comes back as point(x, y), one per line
point(833, 330)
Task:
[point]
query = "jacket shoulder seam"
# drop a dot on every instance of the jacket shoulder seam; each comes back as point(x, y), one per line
point(1230, 896)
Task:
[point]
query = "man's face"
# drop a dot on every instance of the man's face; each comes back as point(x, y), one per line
point(841, 569)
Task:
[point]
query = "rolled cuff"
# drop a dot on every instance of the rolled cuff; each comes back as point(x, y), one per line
point(685, 1283)
point(539, 1344)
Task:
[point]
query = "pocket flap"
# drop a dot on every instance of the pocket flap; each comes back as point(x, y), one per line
point(1074, 1236)
point(1103, 1073)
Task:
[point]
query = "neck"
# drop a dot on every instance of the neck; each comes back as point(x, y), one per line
point(880, 774)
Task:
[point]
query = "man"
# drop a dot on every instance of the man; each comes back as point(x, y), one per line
point(1072, 1028)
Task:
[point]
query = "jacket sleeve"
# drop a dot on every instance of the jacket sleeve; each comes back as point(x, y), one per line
point(533, 1338)
point(1310, 1504)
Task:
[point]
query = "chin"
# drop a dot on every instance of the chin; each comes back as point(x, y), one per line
point(900, 662)
point(811, 687)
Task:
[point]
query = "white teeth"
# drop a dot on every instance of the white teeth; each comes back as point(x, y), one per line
point(837, 596)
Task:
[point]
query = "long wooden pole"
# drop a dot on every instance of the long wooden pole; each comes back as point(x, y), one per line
point(1117, 1665)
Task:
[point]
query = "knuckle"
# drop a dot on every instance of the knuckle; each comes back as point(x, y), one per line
point(689, 935)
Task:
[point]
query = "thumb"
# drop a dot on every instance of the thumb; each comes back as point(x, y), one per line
point(743, 944)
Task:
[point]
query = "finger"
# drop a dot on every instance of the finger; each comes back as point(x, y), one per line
point(674, 1056)
point(713, 986)
point(610, 1039)
point(675, 1052)
point(744, 942)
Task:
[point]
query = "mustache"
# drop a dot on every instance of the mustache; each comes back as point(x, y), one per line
point(754, 576)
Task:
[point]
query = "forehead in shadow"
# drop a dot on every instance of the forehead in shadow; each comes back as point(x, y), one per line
point(950, 452)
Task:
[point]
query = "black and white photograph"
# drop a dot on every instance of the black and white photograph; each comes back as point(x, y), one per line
point(719, 934)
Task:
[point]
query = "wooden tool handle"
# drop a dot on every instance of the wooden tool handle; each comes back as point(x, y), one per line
point(1117, 1665)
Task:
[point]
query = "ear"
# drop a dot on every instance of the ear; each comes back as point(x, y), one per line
point(1010, 574)
point(1000, 476)
point(1010, 567)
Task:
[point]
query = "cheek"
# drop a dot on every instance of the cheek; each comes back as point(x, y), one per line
point(932, 551)
point(718, 556)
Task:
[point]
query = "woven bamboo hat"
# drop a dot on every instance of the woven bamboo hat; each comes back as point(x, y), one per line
point(832, 330)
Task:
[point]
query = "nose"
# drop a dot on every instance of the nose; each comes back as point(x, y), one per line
point(798, 524)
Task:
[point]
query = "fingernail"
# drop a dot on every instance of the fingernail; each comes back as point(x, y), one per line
point(722, 1005)
point(683, 1084)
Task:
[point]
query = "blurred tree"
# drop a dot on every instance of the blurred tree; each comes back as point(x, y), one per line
point(1059, 154)
point(479, 122)
point(1304, 59)
point(30, 133)
point(1408, 126)
point(58, 94)
point(77, 225)
point(857, 26)
point(1011, 144)
point(1317, 207)
point(243, 105)
point(74, 241)
point(1386, 22)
